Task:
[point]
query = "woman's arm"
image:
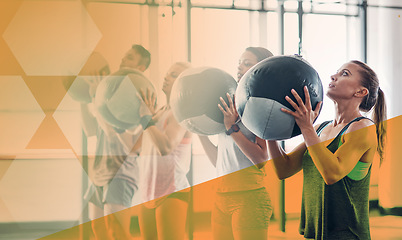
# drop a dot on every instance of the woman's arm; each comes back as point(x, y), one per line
point(285, 164)
point(210, 149)
point(132, 140)
point(358, 144)
point(255, 151)
point(166, 141)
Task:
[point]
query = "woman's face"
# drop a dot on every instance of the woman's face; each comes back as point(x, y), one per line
point(246, 61)
point(132, 59)
point(171, 76)
point(345, 83)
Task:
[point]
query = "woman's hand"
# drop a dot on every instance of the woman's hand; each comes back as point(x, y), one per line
point(229, 112)
point(159, 113)
point(149, 100)
point(303, 114)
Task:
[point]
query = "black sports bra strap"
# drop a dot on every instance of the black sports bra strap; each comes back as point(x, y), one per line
point(360, 118)
point(354, 120)
point(322, 126)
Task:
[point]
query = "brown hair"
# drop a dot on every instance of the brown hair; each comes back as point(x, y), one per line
point(375, 98)
point(260, 52)
point(145, 55)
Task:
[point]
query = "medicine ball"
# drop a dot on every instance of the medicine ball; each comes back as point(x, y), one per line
point(262, 90)
point(195, 97)
point(117, 98)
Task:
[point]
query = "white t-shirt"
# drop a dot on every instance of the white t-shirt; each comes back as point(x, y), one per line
point(231, 160)
point(163, 175)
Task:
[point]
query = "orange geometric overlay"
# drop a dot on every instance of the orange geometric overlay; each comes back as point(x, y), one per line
point(8, 63)
point(49, 53)
point(48, 92)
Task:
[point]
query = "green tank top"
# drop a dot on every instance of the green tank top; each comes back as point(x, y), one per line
point(337, 211)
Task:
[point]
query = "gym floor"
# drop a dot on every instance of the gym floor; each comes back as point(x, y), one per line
point(382, 228)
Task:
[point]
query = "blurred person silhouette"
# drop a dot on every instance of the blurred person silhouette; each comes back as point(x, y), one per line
point(114, 172)
point(164, 162)
point(242, 208)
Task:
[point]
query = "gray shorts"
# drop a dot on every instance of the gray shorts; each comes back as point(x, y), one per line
point(118, 191)
point(243, 210)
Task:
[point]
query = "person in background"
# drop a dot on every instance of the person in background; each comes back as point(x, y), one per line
point(114, 173)
point(242, 207)
point(164, 162)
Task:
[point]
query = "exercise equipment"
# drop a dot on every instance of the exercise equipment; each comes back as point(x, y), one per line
point(262, 90)
point(118, 98)
point(195, 97)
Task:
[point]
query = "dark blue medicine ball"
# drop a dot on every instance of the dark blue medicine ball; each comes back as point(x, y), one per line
point(195, 97)
point(261, 94)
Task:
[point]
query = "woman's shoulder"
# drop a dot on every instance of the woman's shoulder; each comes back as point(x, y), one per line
point(362, 131)
point(363, 123)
